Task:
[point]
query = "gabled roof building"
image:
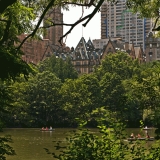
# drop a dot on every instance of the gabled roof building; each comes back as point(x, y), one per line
point(85, 56)
point(115, 45)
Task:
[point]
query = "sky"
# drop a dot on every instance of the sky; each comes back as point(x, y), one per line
point(92, 30)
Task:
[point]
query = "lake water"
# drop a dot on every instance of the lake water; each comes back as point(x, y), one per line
point(29, 143)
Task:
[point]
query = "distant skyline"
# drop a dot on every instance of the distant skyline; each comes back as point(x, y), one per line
point(92, 30)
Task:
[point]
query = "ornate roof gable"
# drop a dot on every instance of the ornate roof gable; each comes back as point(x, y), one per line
point(109, 48)
point(132, 52)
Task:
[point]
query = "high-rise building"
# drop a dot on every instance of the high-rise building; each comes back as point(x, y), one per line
point(55, 32)
point(152, 51)
point(118, 21)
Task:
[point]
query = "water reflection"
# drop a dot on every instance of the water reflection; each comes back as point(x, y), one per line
point(30, 143)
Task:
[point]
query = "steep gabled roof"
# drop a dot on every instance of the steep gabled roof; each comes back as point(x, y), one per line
point(90, 44)
point(85, 50)
point(81, 42)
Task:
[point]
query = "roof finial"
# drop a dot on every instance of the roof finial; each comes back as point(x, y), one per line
point(82, 30)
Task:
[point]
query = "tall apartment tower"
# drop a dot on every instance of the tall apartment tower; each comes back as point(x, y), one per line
point(54, 33)
point(118, 21)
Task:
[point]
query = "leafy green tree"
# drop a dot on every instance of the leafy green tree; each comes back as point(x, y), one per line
point(15, 20)
point(79, 97)
point(5, 149)
point(119, 63)
point(42, 97)
point(114, 70)
point(5, 107)
point(62, 69)
point(144, 90)
point(18, 112)
point(37, 100)
point(6, 100)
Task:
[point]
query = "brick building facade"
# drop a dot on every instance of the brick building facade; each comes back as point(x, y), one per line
point(35, 49)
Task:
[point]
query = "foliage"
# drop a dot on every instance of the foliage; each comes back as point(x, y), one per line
point(115, 69)
point(80, 96)
point(147, 9)
point(143, 90)
point(5, 149)
point(37, 100)
point(15, 20)
point(11, 64)
point(119, 63)
point(62, 69)
point(5, 102)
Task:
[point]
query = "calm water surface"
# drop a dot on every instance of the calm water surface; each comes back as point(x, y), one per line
point(29, 143)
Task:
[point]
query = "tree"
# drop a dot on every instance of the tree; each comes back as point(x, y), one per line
point(114, 70)
point(37, 100)
point(15, 20)
point(147, 9)
point(79, 97)
point(5, 102)
point(5, 105)
point(63, 69)
point(119, 63)
point(143, 89)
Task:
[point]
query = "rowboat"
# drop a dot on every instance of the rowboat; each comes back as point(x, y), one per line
point(147, 128)
point(47, 130)
point(147, 139)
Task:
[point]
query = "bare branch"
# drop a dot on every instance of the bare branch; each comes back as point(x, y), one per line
point(82, 13)
point(155, 22)
point(94, 12)
point(38, 24)
point(72, 26)
point(56, 24)
point(89, 17)
point(91, 3)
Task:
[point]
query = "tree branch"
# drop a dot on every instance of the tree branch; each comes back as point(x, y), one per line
point(94, 12)
point(89, 17)
point(155, 23)
point(91, 3)
point(38, 24)
point(72, 26)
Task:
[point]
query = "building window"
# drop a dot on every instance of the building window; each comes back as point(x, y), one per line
point(158, 53)
point(90, 69)
point(77, 63)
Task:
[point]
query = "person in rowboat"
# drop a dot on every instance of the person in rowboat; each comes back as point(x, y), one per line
point(46, 128)
point(132, 135)
point(147, 136)
point(138, 136)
